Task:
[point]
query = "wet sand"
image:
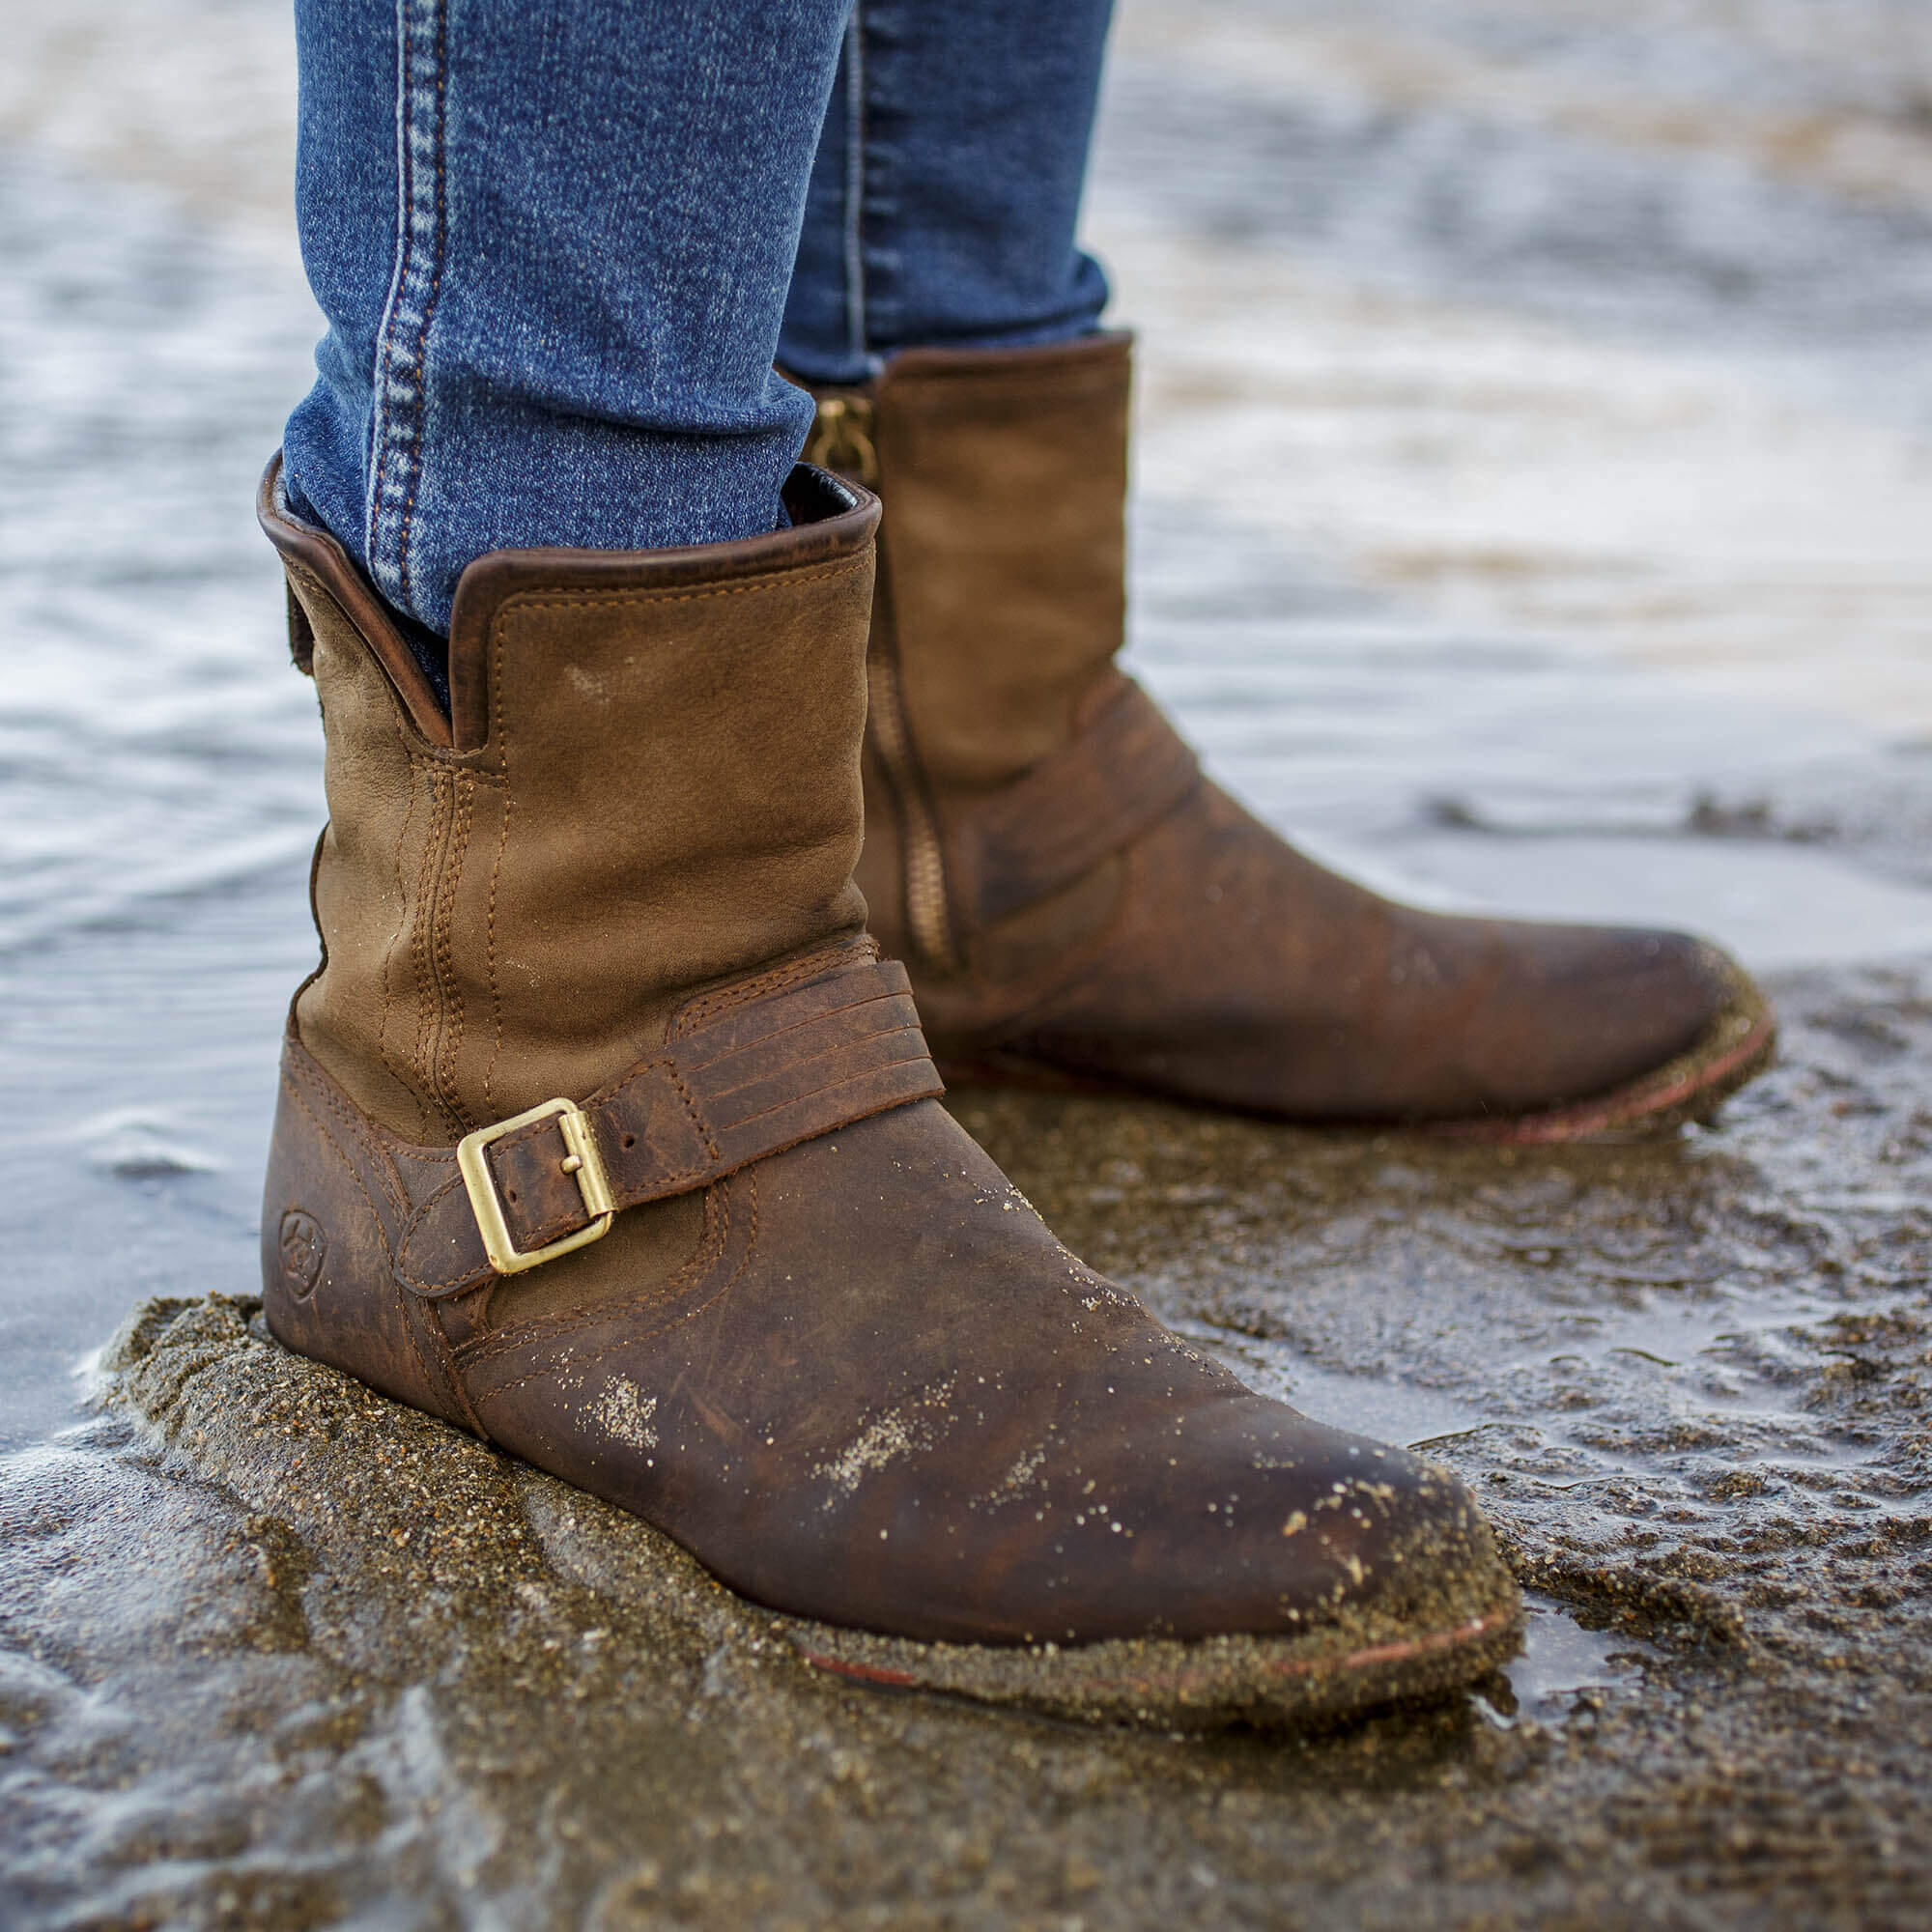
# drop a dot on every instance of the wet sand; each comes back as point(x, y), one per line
point(278, 1651)
point(1533, 483)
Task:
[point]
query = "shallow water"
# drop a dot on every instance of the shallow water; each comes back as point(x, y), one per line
point(1532, 490)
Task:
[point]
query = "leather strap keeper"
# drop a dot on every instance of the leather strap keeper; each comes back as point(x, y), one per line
point(1124, 771)
point(748, 1080)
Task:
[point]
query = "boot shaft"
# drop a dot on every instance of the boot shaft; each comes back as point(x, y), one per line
point(1002, 598)
point(649, 779)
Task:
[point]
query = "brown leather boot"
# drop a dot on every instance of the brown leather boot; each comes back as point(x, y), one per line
point(606, 1133)
point(1077, 906)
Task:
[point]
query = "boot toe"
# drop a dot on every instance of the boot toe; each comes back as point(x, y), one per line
point(1312, 1526)
point(1660, 993)
point(1582, 1010)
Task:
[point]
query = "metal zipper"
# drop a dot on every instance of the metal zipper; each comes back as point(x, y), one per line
point(929, 926)
point(842, 440)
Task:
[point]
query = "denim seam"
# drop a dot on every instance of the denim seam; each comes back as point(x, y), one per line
point(854, 237)
point(397, 421)
point(872, 223)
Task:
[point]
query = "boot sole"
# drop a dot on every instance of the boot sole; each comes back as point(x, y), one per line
point(1267, 1683)
point(1737, 1046)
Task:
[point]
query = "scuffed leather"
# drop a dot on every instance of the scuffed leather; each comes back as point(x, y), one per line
point(852, 1372)
point(881, 1395)
point(1111, 921)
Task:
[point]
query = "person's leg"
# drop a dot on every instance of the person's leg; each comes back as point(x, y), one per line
point(552, 241)
point(945, 193)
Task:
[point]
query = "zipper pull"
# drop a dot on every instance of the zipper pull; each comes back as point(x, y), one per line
point(841, 438)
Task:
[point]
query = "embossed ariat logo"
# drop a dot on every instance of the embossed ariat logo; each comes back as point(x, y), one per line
point(303, 1251)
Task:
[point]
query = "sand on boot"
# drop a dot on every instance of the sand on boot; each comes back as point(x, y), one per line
point(430, 1508)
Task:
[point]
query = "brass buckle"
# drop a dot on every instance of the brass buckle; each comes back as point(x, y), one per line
point(583, 1163)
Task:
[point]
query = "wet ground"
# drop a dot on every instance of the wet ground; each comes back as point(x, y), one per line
point(1535, 468)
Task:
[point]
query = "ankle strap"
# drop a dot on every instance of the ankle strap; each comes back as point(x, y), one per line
point(1125, 771)
point(758, 1072)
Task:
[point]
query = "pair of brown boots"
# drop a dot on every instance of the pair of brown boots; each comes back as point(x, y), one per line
point(609, 1133)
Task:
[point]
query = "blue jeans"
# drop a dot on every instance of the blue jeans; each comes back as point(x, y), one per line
point(560, 243)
